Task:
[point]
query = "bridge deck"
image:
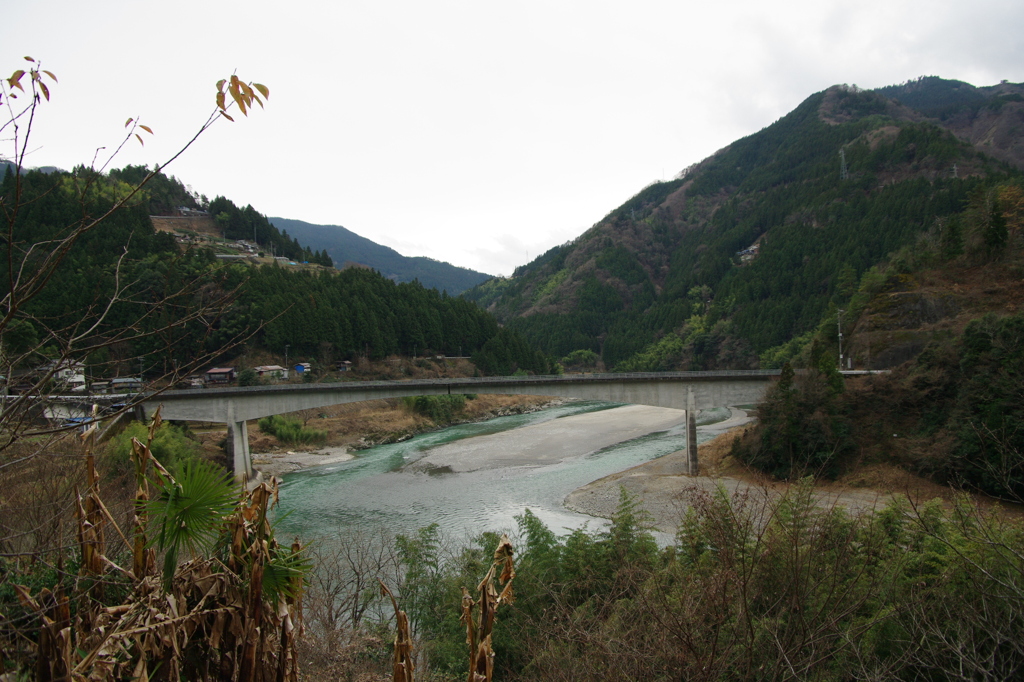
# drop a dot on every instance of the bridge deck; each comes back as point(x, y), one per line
point(690, 391)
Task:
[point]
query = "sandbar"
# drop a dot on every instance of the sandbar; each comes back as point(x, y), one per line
point(551, 441)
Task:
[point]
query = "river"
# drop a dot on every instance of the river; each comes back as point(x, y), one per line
point(405, 486)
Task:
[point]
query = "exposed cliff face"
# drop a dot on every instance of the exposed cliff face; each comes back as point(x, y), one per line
point(915, 310)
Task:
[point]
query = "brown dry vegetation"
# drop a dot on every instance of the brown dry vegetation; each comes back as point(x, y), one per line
point(716, 460)
point(92, 604)
point(38, 500)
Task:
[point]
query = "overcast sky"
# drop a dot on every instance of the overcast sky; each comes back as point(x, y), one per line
point(478, 133)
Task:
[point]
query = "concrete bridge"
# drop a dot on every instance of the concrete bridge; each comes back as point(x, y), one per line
point(689, 391)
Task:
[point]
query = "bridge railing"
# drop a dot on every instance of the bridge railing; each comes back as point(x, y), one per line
point(483, 381)
point(619, 376)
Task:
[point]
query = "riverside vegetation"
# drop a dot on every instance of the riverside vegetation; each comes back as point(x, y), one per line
point(754, 586)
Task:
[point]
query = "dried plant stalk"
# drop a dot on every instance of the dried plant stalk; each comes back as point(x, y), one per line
point(480, 626)
point(214, 619)
point(403, 659)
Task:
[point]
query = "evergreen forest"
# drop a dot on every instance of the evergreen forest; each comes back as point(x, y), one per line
point(112, 297)
point(756, 245)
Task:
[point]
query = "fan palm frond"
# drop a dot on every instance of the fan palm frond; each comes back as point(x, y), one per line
point(188, 511)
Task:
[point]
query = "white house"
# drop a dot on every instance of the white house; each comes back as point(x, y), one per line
point(67, 374)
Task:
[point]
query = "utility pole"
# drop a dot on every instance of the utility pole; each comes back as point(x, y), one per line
point(839, 325)
point(286, 347)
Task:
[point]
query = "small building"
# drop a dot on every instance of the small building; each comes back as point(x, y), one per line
point(272, 372)
point(220, 375)
point(125, 384)
point(750, 253)
point(344, 366)
point(302, 367)
point(67, 374)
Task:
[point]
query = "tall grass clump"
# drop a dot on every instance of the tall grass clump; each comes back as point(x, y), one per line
point(291, 431)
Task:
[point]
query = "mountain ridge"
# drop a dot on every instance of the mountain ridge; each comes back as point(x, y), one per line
point(349, 248)
point(825, 193)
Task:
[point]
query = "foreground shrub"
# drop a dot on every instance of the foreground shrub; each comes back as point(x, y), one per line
point(756, 585)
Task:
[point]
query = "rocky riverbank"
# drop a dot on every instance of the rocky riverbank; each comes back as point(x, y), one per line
point(665, 492)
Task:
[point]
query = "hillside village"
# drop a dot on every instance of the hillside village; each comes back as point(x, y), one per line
point(194, 227)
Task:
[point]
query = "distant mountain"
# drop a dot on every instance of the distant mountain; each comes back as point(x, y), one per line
point(348, 248)
point(6, 165)
point(754, 247)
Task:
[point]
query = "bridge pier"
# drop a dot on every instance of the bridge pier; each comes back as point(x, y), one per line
point(238, 446)
point(238, 450)
point(692, 466)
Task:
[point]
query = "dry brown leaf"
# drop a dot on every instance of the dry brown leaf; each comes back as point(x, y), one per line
point(25, 597)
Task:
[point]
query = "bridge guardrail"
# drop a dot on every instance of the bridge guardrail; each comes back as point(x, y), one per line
point(468, 381)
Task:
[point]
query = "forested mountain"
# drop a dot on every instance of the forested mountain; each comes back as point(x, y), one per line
point(247, 223)
point(754, 246)
point(126, 299)
point(347, 247)
point(5, 165)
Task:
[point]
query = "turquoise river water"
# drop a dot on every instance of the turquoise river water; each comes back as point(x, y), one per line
point(372, 489)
